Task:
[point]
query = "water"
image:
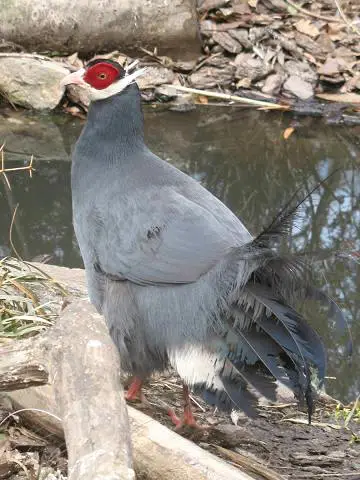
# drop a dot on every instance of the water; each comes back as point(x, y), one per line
point(242, 157)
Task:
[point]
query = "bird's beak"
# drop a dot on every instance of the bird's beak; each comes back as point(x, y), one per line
point(74, 78)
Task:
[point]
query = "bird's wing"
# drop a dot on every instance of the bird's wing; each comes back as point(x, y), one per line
point(167, 239)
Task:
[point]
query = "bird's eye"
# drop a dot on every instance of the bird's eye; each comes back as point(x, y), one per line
point(102, 75)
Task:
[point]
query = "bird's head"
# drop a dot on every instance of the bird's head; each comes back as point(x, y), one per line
point(103, 78)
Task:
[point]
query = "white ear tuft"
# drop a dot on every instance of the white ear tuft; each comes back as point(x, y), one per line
point(132, 65)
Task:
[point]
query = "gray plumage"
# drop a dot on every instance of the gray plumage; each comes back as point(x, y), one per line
point(178, 277)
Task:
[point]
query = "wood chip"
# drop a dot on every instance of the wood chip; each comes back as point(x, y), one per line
point(340, 97)
point(307, 27)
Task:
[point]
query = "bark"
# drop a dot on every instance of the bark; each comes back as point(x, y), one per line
point(89, 26)
point(81, 366)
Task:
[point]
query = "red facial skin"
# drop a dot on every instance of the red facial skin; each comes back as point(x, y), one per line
point(101, 75)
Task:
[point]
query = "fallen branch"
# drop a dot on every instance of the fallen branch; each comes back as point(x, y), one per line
point(81, 365)
point(230, 98)
point(312, 14)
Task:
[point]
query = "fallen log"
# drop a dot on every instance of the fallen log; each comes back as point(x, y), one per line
point(89, 26)
point(78, 365)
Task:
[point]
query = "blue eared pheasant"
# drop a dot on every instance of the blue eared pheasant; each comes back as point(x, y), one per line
point(177, 276)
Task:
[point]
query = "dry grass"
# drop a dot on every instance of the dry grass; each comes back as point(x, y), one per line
point(21, 312)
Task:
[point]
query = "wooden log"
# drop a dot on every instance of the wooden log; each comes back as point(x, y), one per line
point(82, 366)
point(80, 361)
point(89, 26)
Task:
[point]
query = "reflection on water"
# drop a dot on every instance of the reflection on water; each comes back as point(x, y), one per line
point(242, 158)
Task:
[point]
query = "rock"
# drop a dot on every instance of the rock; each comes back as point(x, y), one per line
point(155, 76)
point(302, 70)
point(298, 87)
point(211, 77)
point(227, 42)
point(273, 84)
point(78, 95)
point(31, 81)
point(330, 67)
point(249, 67)
point(242, 36)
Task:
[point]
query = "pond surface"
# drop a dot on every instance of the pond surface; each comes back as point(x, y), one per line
point(242, 157)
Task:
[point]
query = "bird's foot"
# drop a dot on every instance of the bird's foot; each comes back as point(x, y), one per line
point(187, 419)
point(135, 392)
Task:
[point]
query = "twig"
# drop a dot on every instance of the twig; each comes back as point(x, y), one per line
point(10, 233)
point(203, 62)
point(230, 98)
point(4, 170)
point(12, 414)
point(314, 15)
point(344, 17)
point(197, 403)
point(250, 464)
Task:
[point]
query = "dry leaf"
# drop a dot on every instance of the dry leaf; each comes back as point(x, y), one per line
point(307, 27)
point(340, 97)
point(287, 132)
point(244, 83)
point(202, 99)
point(253, 3)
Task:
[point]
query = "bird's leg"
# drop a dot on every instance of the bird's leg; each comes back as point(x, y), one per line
point(135, 391)
point(188, 417)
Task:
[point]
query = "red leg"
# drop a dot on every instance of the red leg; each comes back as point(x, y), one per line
point(188, 417)
point(135, 390)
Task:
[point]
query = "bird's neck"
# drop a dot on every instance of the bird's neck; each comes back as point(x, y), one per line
point(115, 125)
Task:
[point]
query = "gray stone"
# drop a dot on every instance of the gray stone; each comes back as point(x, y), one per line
point(299, 88)
point(273, 84)
point(78, 94)
point(211, 77)
point(155, 76)
point(249, 67)
point(302, 70)
point(31, 81)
